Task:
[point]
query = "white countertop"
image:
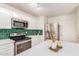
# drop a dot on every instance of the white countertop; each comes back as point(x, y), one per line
point(6, 41)
point(69, 49)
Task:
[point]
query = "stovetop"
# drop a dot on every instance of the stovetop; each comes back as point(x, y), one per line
point(19, 38)
point(27, 38)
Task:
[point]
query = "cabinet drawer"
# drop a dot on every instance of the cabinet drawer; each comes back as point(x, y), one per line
point(7, 52)
point(2, 47)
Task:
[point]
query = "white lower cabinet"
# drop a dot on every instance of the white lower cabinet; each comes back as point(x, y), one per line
point(7, 52)
point(7, 48)
point(36, 40)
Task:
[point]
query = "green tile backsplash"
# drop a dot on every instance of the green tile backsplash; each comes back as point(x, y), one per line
point(4, 33)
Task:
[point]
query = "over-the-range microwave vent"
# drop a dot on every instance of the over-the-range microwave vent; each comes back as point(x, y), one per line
point(18, 23)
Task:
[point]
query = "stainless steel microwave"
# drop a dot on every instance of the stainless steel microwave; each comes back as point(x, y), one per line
point(18, 23)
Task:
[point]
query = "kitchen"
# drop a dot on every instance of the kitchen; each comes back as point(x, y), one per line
point(18, 25)
point(28, 29)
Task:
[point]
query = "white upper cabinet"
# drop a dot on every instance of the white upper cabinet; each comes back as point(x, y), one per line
point(5, 20)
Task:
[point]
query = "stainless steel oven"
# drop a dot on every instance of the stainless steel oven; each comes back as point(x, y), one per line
point(18, 23)
point(22, 46)
point(22, 42)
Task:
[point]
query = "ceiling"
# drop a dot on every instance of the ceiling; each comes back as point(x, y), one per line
point(45, 9)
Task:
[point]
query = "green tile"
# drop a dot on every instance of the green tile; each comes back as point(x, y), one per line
point(4, 33)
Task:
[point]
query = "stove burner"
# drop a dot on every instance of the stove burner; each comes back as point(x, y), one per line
point(19, 38)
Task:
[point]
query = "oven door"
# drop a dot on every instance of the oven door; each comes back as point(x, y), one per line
point(18, 24)
point(22, 46)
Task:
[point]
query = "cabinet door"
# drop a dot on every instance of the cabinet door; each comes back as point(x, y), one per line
point(40, 39)
point(36, 40)
point(5, 20)
point(7, 50)
point(33, 40)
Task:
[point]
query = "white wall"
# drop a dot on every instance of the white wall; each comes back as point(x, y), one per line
point(77, 22)
point(67, 26)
